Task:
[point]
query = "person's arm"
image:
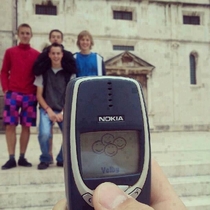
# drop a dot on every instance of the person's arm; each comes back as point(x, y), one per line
point(59, 116)
point(5, 72)
point(41, 64)
point(103, 68)
point(44, 105)
point(100, 65)
point(68, 62)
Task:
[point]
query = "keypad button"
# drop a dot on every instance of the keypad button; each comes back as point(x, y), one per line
point(88, 198)
point(135, 193)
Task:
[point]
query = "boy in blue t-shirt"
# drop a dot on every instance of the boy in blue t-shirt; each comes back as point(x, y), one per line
point(87, 62)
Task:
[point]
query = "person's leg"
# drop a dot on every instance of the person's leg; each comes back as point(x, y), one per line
point(24, 139)
point(51, 148)
point(59, 157)
point(10, 117)
point(45, 126)
point(10, 133)
point(27, 119)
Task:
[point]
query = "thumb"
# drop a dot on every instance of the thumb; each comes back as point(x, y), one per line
point(108, 196)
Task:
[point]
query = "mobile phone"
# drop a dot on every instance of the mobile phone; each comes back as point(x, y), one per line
point(105, 139)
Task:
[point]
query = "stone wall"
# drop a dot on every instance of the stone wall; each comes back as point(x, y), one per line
point(158, 36)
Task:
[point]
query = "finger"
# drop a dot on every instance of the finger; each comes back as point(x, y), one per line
point(60, 205)
point(58, 118)
point(108, 196)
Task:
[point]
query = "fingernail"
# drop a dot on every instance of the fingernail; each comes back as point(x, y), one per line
point(110, 196)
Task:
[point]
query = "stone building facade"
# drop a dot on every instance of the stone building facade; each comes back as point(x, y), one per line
point(163, 44)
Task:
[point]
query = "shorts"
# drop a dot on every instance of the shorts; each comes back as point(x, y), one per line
point(19, 109)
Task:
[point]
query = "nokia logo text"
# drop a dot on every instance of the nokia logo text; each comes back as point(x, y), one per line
point(111, 118)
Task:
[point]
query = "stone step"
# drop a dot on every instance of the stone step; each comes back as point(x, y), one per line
point(185, 169)
point(23, 196)
point(31, 208)
point(159, 144)
point(25, 176)
point(54, 174)
point(192, 203)
point(184, 163)
point(191, 186)
point(184, 158)
point(197, 202)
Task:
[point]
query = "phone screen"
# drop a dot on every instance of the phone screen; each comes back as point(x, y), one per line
point(109, 153)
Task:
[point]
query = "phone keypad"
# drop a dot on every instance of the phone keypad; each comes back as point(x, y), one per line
point(88, 198)
point(135, 193)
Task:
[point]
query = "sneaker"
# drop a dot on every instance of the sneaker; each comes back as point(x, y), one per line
point(24, 162)
point(11, 163)
point(43, 166)
point(60, 164)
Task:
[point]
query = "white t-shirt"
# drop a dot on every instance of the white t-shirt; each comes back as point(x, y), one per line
point(39, 79)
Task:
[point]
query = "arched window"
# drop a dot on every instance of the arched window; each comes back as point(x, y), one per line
point(193, 73)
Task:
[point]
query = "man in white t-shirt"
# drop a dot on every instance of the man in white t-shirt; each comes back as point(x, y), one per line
point(51, 87)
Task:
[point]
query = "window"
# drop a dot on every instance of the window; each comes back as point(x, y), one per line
point(193, 69)
point(122, 15)
point(46, 10)
point(123, 47)
point(191, 20)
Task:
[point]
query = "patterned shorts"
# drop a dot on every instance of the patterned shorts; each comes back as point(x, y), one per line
point(19, 108)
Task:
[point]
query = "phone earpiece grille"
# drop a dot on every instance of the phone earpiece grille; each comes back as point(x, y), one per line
point(110, 94)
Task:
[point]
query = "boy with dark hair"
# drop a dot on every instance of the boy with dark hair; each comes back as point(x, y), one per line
point(43, 63)
point(19, 94)
point(55, 34)
point(51, 87)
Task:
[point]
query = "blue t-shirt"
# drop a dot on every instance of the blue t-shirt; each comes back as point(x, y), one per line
point(86, 65)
